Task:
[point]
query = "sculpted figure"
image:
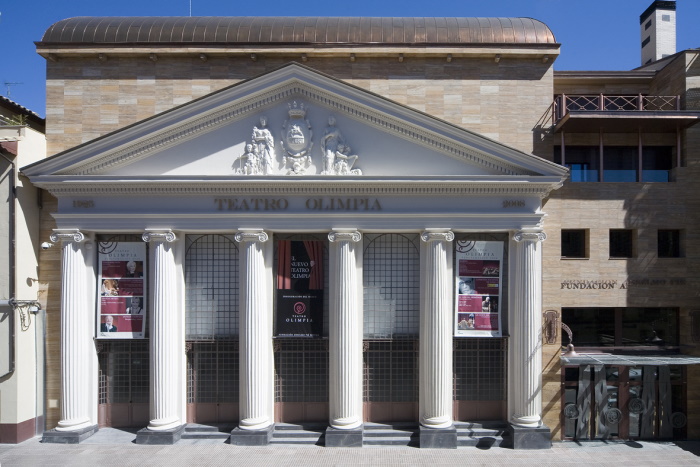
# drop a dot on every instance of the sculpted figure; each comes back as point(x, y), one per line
point(265, 146)
point(332, 139)
point(250, 161)
point(344, 162)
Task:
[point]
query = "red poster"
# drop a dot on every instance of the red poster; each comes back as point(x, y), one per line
point(478, 288)
point(121, 303)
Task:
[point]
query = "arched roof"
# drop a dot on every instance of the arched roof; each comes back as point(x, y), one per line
point(335, 31)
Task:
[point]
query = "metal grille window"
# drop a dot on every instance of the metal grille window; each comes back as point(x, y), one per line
point(391, 370)
point(301, 370)
point(124, 372)
point(212, 372)
point(211, 281)
point(391, 285)
point(480, 369)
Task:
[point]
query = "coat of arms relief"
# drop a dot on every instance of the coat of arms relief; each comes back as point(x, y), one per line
point(296, 143)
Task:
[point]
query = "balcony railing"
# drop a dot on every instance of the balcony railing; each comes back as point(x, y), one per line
point(564, 104)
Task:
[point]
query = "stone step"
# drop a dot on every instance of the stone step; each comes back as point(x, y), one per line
point(205, 435)
point(297, 441)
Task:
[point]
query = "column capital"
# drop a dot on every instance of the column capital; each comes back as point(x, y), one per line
point(159, 236)
point(345, 236)
point(437, 236)
point(530, 236)
point(73, 235)
point(251, 236)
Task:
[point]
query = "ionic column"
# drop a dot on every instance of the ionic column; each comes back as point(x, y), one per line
point(77, 318)
point(256, 355)
point(165, 339)
point(345, 330)
point(525, 324)
point(436, 317)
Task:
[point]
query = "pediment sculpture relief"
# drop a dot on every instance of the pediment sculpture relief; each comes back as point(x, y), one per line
point(260, 155)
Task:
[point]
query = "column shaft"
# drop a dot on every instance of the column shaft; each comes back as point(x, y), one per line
point(165, 335)
point(256, 354)
point(76, 319)
point(345, 328)
point(525, 363)
point(436, 317)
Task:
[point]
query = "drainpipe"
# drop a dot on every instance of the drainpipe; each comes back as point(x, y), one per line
point(11, 232)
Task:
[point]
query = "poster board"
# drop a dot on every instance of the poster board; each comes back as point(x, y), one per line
point(299, 289)
point(478, 279)
point(121, 290)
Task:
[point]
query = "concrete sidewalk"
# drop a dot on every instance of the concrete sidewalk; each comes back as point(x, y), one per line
point(112, 447)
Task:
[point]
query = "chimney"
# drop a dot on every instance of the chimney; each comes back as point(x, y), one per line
point(658, 31)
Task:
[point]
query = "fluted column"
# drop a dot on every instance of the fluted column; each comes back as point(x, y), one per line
point(525, 324)
point(345, 330)
point(256, 355)
point(165, 336)
point(77, 317)
point(436, 317)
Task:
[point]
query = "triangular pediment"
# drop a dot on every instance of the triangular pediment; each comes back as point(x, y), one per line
point(293, 121)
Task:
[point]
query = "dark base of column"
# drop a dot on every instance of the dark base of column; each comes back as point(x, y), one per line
point(172, 436)
point(529, 438)
point(262, 437)
point(337, 438)
point(438, 438)
point(68, 437)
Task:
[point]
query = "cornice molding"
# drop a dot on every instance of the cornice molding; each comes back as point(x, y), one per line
point(356, 187)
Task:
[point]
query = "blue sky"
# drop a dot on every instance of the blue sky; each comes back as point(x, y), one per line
point(595, 34)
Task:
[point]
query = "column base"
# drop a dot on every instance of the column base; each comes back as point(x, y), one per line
point(172, 436)
point(529, 438)
point(69, 437)
point(337, 438)
point(438, 438)
point(240, 437)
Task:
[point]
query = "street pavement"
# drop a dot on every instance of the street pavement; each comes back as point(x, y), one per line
point(114, 447)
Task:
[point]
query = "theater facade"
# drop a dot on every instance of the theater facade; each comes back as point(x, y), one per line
point(270, 221)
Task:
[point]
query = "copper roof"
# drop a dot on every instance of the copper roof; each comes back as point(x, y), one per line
point(296, 31)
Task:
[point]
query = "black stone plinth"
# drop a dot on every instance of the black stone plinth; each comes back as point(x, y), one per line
point(529, 438)
point(262, 437)
point(172, 436)
point(68, 437)
point(438, 438)
point(337, 438)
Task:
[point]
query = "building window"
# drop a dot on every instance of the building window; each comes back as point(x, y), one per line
point(657, 162)
point(669, 244)
point(211, 287)
point(573, 243)
point(622, 327)
point(646, 41)
point(582, 161)
point(620, 163)
point(648, 25)
point(621, 243)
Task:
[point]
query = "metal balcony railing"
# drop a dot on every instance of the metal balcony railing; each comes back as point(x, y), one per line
point(564, 104)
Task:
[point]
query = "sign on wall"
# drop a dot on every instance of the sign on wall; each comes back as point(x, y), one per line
point(299, 306)
point(121, 302)
point(478, 278)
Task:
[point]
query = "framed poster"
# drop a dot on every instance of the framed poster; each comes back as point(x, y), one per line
point(121, 290)
point(299, 305)
point(478, 278)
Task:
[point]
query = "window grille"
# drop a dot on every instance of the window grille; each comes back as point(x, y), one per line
point(391, 273)
point(212, 372)
point(480, 369)
point(124, 372)
point(211, 287)
point(391, 370)
point(301, 370)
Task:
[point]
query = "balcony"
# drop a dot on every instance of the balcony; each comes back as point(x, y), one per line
point(590, 113)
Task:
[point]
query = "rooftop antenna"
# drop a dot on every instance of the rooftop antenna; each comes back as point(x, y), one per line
point(8, 84)
point(190, 8)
